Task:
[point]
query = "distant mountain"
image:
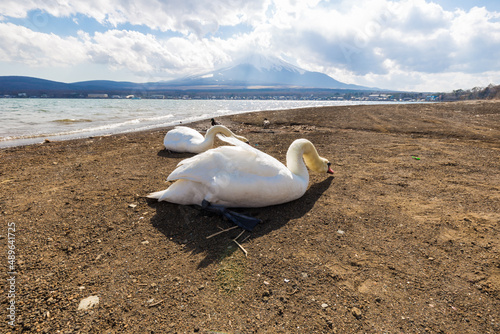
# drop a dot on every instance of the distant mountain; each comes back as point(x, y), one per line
point(23, 84)
point(257, 71)
point(106, 84)
point(30, 84)
point(252, 72)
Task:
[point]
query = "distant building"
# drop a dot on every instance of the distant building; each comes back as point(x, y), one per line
point(98, 96)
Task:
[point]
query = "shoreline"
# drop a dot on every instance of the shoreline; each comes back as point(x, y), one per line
point(388, 243)
point(121, 128)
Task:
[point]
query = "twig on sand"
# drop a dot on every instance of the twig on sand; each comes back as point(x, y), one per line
point(246, 238)
point(243, 249)
point(235, 239)
point(239, 245)
point(155, 304)
point(217, 233)
point(239, 235)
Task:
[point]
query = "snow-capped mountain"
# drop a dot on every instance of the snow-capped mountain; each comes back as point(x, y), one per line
point(258, 71)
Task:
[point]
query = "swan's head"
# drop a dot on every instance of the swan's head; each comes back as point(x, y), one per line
point(311, 157)
point(319, 165)
point(243, 139)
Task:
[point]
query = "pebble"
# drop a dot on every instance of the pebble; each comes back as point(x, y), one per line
point(132, 205)
point(356, 312)
point(88, 303)
point(324, 305)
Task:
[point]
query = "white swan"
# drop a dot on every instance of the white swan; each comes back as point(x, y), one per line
point(184, 139)
point(242, 176)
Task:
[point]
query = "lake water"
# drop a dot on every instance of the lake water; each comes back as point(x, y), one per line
point(29, 121)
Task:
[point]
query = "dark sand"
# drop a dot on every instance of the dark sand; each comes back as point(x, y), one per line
point(389, 244)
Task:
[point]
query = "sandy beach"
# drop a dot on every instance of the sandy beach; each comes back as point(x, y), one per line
point(403, 238)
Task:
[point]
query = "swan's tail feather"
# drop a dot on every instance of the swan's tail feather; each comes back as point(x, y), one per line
point(246, 222)
point(156, 195)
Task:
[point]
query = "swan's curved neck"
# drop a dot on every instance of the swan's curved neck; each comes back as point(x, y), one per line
point(218, 129)
point(300, 150)
point(210, 135)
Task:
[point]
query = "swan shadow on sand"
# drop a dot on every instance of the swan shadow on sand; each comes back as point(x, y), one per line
point(168, 154)
point(190, 226)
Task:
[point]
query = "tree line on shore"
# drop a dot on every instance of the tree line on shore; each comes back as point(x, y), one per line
point(477, 93)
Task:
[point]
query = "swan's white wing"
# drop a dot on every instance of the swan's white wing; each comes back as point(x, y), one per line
point(232, 161)
point(236, 176)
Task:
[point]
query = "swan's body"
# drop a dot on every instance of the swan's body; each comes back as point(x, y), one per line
point(184, 139)
point(242, 176)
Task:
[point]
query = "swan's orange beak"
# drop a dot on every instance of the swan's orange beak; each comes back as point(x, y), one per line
point(330, 170)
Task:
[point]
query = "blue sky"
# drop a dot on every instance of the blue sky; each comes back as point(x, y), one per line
point(419, 45)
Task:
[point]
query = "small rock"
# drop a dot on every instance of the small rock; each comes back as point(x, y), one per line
point(304, 275)
point(132, 205)
point(88, 303)
point(324, 305)
point(145, 242)
point(356, 312)
point(340, 232)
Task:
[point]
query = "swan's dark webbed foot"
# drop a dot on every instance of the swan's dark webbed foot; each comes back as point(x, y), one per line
point(246, 222)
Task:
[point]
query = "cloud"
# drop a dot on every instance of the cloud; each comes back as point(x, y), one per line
point(147, 56)
point(383, 43)
point(184, 16)
point(22, 45)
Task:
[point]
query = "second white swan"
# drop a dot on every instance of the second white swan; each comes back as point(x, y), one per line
point(184, 139)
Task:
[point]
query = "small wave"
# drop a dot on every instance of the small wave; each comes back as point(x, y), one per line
point(71, 120)
point(97, 130)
